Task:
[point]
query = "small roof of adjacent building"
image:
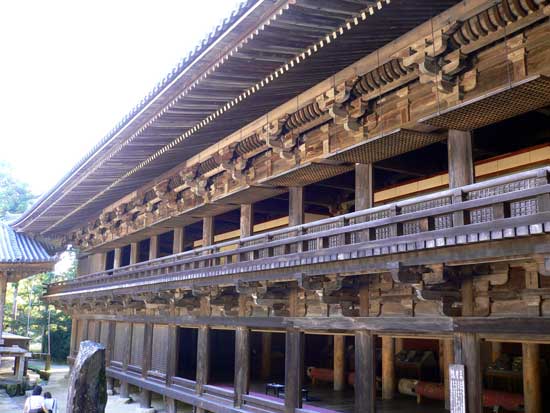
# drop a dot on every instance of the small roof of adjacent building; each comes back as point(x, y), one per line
point(22, 255)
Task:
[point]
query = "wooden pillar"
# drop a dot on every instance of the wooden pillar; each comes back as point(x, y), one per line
point(3, 287)
point(170, 405)
point(145, 399)
point(179, 240)
point(294, 356)
point(365, 372)
point(117, 258)
point(134, 252)
point(363, 186)
point(153, 247)
point(247, 220)
point(172, 356)
point(127, 337)
point(467, 352)
point(388, 368)
point(531, 378)
point(461, 165)
point(295, 206)
point(147, 349)
point(242, 364)
point(203, 358)
point(448, 358)
point(266, 355)
point(339, 363)
point(207, 231)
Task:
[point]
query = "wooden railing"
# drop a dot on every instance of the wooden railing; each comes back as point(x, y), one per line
point(505, 207)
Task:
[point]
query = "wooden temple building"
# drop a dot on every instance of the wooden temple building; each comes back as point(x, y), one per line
point(331, 201)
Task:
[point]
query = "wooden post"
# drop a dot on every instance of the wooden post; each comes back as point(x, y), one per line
point(365, 372)
point(134, 252)
point(179, 240)
point(242, 364)
point(461, 165)
point(448, 357)
point(203, 358)
point(363, 186)
point(339, 363)
point(153, 247)
point(170, 405)
point(3, 287)
point(172, 356)
point(467, 352)
point(388, 368)
point(293, 370)
point(247, 220)
point(295, 206)
point(364, 300)
point(266, 355)
point(531, 378)
point(117, 259)
point(127, 337)
point(145, 399)
point(147, 349)
point(207, 231)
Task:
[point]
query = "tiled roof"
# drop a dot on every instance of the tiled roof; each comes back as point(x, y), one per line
point(19, 247)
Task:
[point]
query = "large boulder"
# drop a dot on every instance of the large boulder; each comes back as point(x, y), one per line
point(87, 384)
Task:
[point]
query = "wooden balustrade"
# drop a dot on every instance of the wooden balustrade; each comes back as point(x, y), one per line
point(505, 207)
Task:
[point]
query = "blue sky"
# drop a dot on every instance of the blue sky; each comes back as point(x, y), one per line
point(71, 69)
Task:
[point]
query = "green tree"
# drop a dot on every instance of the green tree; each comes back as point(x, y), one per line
point(31, 318)
point(15, 196)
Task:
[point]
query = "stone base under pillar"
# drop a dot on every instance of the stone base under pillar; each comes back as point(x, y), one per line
point(145, 410)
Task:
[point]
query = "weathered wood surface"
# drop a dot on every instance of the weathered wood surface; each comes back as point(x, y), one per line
point(365, 372)
point(469, 75)
point(476, 200)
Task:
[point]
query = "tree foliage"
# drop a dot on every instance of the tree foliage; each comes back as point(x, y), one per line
point(15, 196)
point(31, 317)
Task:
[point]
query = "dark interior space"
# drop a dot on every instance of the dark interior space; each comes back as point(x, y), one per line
point(187, 353)
point(276, 355)
point(227, 222)
point(125, 255)
point(222, 360)
point(110, 260)
point(193, 232)
point(143, 250)
point(166, 244)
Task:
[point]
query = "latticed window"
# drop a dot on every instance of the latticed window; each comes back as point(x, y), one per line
point(385, 231)
point(136, 355)
point(421, 206)
point(523, 207)
point(443, 221)
point(503, 189)
point(159, 356)
point(480, 215)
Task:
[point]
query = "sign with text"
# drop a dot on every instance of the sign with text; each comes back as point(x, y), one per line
point(457, 388)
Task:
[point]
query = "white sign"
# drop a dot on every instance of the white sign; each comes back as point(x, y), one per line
point(457, 388)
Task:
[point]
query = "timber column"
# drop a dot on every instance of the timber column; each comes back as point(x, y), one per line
point(179, 240)
point(295, 206)
point(388, 368)
point(3, 287)
point(339, 362)
point(531, 351)
point(145, 395)
point(294, 360)
point(365, 372)
point(467, 352)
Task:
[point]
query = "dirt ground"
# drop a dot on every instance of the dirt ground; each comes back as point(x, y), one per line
point(57, 386)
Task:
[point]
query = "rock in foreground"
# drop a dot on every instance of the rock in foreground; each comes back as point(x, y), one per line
point(87, 385)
